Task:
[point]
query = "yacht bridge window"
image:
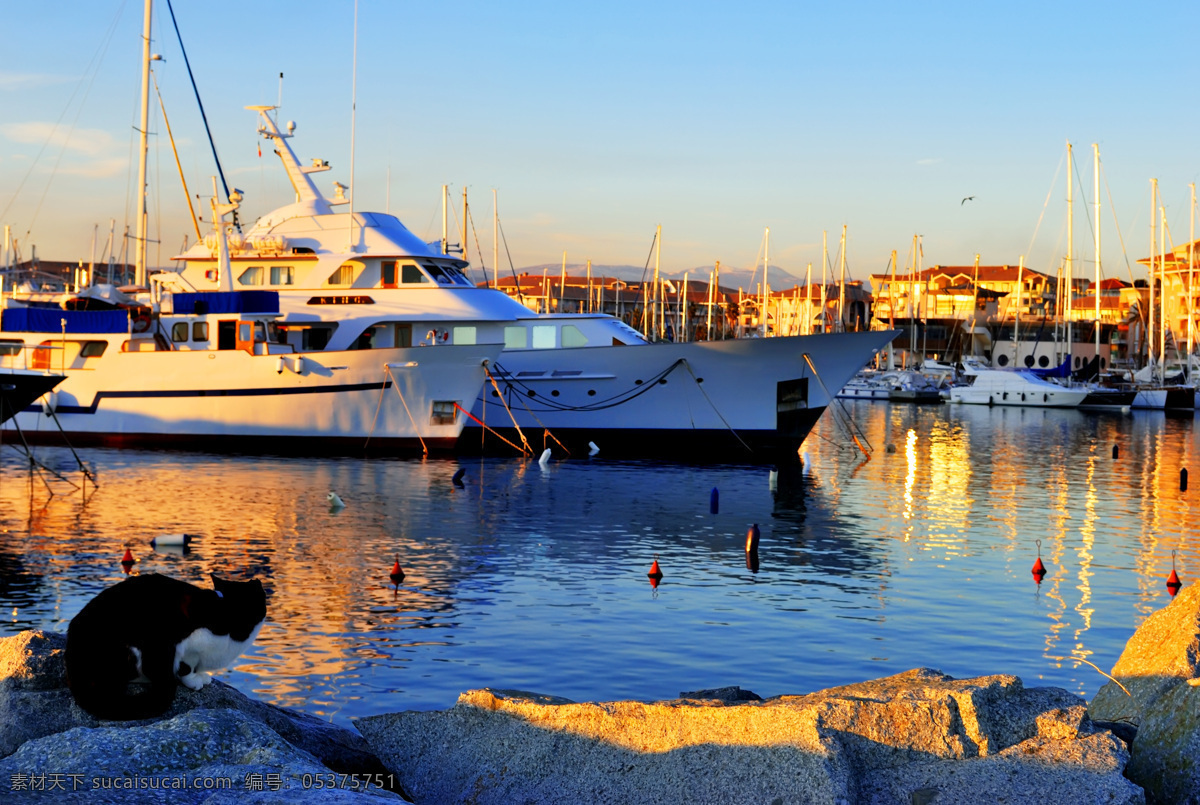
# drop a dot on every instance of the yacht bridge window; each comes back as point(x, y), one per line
point(253, 275)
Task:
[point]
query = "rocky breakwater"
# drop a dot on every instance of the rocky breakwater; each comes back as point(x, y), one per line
point(1157, 693)
point(214, 746)
point(914, 739)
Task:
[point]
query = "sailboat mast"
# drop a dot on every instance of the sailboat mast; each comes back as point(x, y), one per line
point(824, 263)
point(766, 293)
point(139, 257)
point(892, 314)
point(1162, 296)
point(1191, 292)
point(1017, 314)
point(495, 241)
point(1099, 275)
point(445, 219)
point(1068, 307)
point(1153, 223)
point(842, 286)
point(463, 242)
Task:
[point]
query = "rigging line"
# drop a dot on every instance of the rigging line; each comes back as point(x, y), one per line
point(511, 267)
point(620, 397)
point(646, 268)
point(378, 406)
point(97, 57)
point(416, 430)
point(478, 251)
point(511, 416)
point(71, 447)
point(486, 429)
point(542, 425)
point(835, 401)
point(175, 151)
point(1045, 205)
point(208, 130)
point(714, 407)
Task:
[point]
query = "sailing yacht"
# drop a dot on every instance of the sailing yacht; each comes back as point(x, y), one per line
point(363, 281)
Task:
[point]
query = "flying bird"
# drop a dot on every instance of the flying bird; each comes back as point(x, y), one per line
point(965, 200)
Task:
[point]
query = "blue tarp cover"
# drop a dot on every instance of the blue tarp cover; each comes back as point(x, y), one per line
point(227, 302)
point(49, 320)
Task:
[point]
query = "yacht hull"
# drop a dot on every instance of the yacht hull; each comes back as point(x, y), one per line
point(374, 400)
point(744, 399)
point(19, 389)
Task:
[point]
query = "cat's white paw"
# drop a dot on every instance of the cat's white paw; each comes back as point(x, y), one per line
point(196, 680)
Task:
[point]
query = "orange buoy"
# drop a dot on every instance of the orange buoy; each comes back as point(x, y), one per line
point(655, 573)
point(397, 574)
point(1173, 582)
point(127, 561)
point(1039, 570)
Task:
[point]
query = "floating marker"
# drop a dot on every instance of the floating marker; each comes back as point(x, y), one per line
point(805, 462)
point(127, 561)
point(1173, 582)
point(1183, 480)
point(655, 573)
point(592, 449)
point(458, 476)
point(714, 501)
point(545, 459)
point(1116, 451)
point(170, 540)
point(773, 479)
point(891, 448)
point(752, 548)
point(1039, 570)
point(335, 502)
point(752, 538)
point(397, 574)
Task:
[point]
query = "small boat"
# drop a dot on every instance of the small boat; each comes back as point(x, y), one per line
point(1015, 387)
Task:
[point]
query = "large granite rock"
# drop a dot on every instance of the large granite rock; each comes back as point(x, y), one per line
point(210, 756)
point(920, 736)
point(35, 704)
point(1160, 667)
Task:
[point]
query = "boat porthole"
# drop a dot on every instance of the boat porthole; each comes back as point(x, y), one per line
point(495, 393)
point(1022, 396)
point(591, 392)
point(699, 379)
point(532, 393)
point(637, 382)
point(1045, 398)
point(554, 393)
point(662, 382)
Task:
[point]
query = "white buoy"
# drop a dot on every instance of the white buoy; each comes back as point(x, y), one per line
point(545, 459)
point(773, 479)
point(164, 540)
point(592, 449)
point(1125, 409)
point(279, 365)
point(805, 461)
point(335, 502)
point(298, 366)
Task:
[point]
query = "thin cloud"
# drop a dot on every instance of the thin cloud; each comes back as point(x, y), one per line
point(12, 82)
point(90, 142)
point(929, 161)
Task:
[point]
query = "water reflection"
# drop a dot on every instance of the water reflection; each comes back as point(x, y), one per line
point(536, 578)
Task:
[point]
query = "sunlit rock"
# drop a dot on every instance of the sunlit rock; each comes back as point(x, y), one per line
point(918, 736)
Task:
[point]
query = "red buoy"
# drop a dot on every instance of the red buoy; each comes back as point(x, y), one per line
point(397, 574)
point(655, 573)
point(127, 561)
point(1039, 570)
point(1173, 582)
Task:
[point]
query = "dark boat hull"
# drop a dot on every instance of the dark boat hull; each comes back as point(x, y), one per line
point(19, 389)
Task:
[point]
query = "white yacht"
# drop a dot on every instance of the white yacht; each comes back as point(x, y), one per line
point(1015, 387)
point(363, 281)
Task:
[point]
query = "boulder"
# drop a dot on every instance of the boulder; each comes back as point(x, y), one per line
point(1163, 653)
point(35, 703)
point(1160, 668)
point(211, 756)
point(920, 736)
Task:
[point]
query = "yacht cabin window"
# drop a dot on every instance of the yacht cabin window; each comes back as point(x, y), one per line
point(411, 274)
point(543, 336)
point(464, 335)
point(253, 275)
point(283, 275)
point(343, 276)
point(200, 331)
point(387, 273)
point(179, 332)
point(572, 337)
point(515, 337)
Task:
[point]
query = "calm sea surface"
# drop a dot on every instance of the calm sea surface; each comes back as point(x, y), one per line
point(535, 578)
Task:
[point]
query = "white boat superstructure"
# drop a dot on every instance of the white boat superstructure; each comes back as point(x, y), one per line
point(206, 370)
point(364, 281)
point(1015, 387)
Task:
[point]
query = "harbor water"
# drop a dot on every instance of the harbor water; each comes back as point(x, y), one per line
point(535, 578)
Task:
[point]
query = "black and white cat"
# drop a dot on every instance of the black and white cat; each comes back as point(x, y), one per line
point(158, 630)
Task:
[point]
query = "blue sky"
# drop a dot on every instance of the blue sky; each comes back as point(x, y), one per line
point(597, 123)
